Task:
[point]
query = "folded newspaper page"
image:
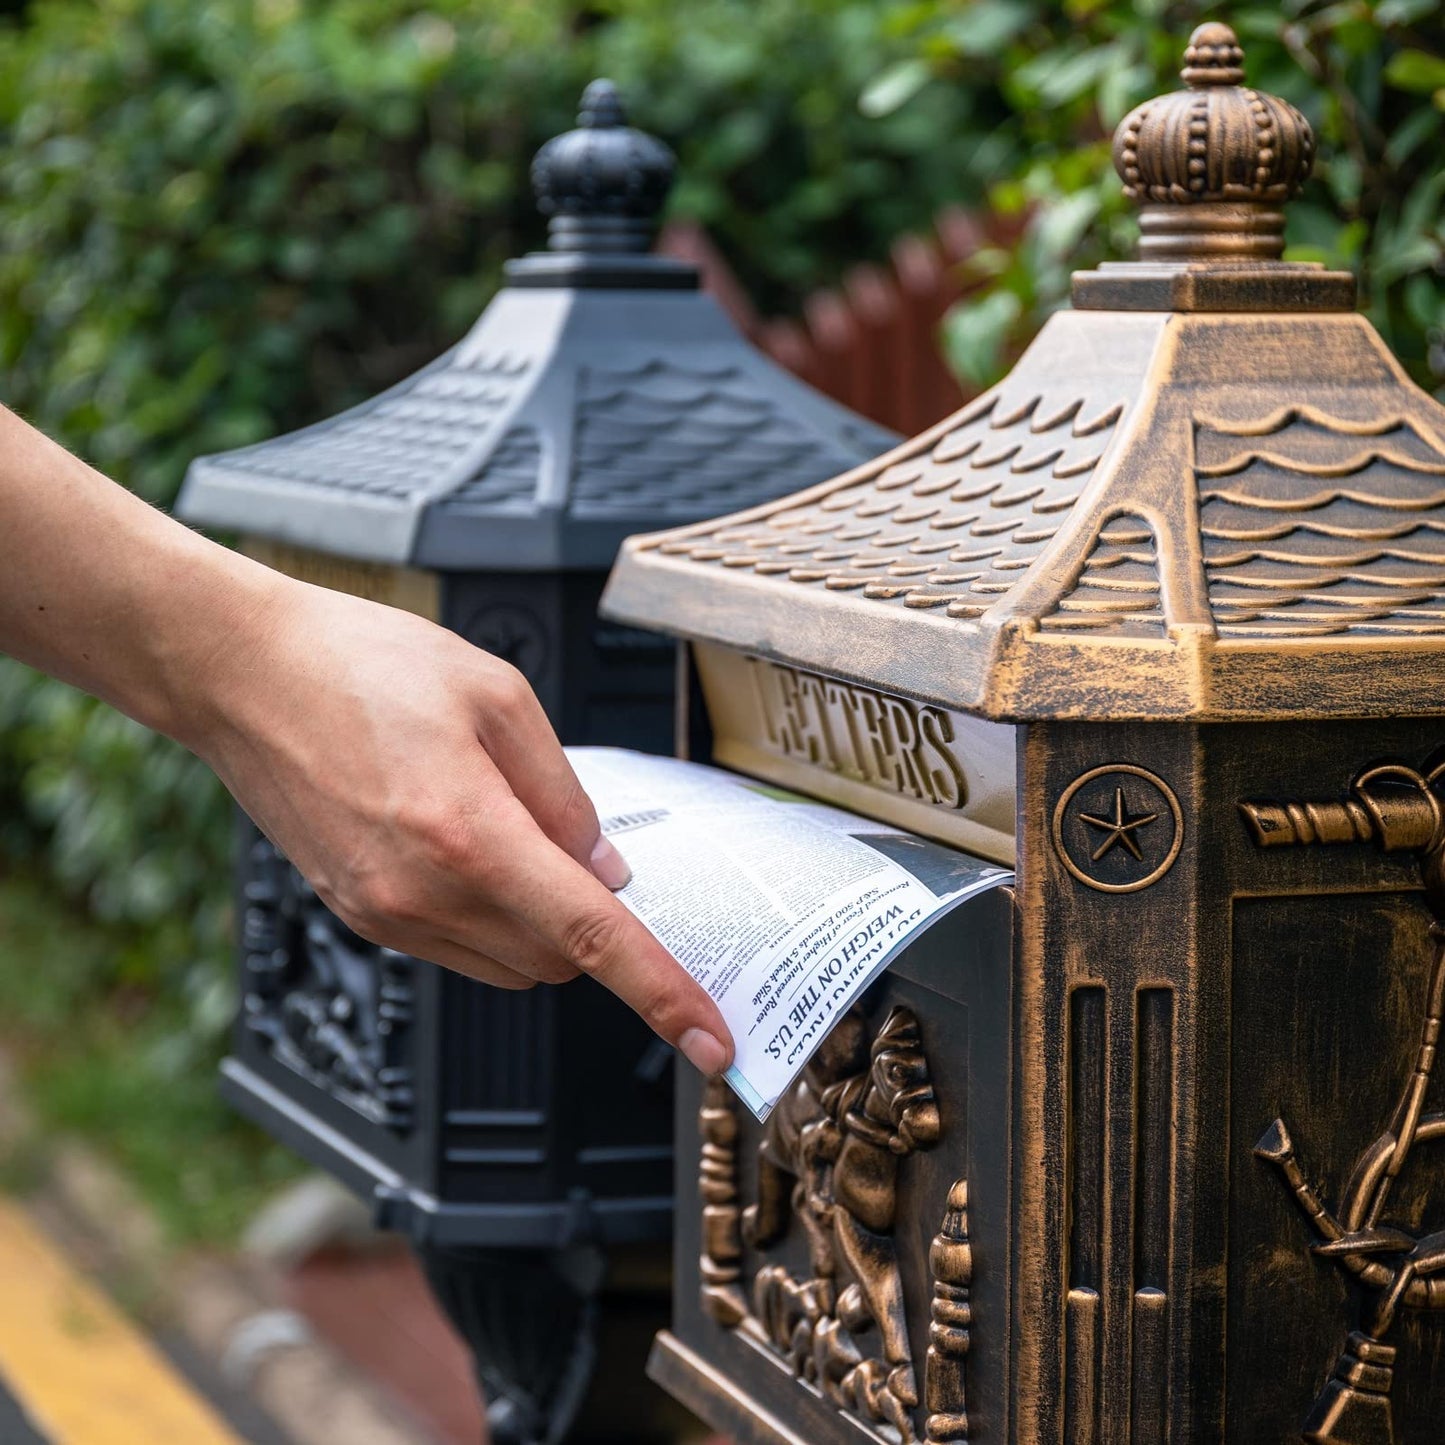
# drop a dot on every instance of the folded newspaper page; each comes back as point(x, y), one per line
point(783, 909)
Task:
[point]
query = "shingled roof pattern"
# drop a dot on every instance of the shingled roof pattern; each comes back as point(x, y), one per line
point(670, 441)
point(507, 479)
point(395, 445)
point(1118, 590)
point(1316, 526)
point(952, 527)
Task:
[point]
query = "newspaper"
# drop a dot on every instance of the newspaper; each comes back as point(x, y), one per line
point(783, 909)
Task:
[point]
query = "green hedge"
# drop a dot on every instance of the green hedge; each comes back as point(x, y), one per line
point(224, 219)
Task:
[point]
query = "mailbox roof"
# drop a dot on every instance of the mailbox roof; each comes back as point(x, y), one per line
point(601, 392)
point(567, 419)
point(1209, 492)
point(1156, 515)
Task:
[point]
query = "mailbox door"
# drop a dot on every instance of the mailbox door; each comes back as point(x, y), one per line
point(854, 1251)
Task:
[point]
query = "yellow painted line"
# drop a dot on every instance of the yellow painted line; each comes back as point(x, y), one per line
point(84, 1374)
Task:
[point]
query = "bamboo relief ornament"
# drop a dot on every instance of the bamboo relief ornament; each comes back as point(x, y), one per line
point(1397, 808)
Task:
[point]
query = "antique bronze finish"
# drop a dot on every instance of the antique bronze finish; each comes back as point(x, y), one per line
point(1236, 187)
point(1399, 809)
point(830, 1156)
point(950, 1257)
point(1189, 555)
point(931, 770)
point(1085, 841)
point(1162, 512)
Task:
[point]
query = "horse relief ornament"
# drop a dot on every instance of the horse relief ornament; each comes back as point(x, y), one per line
point(828, 1165)
point(1400, 809)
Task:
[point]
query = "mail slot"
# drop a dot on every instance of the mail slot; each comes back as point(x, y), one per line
point(1143, 1149)
point(519, 1139)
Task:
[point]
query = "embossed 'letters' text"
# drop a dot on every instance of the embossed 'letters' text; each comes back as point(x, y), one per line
point(885, 741)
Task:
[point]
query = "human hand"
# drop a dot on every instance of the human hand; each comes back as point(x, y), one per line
point(412, 778)
point(417, 784)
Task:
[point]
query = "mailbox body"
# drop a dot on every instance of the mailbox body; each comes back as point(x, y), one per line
point(1160, 620)
point(1103, 1076)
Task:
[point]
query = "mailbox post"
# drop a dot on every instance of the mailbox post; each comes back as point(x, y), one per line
point(518, 1139)
point(1169, 603)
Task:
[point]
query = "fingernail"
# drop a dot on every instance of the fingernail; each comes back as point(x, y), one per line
point(610, 866)
point(704, 1052)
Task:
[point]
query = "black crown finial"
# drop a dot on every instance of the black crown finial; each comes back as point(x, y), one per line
point(604, 184)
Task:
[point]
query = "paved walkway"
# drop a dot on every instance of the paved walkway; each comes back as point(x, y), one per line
point(73, 1369)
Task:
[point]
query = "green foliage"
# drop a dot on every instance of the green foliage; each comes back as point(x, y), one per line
point(1369, 74)
point(214, 213)
point(796, 149)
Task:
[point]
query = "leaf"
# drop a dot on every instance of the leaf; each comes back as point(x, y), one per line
point(894, 88)
point(1060, 78)
point(1412, 132)
point(986, 27)
point(1416, 70)
point(1060, 225)
point(1403, 256)
point(975, 333)
point(1119, 89)
point(1404, 12)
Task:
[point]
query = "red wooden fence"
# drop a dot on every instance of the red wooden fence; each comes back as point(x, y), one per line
point(873, 342)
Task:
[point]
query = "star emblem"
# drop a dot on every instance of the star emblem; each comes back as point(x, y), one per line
point(1119, 830)
point(1119, 863)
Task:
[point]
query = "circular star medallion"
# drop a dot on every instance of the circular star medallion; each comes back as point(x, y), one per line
point(1118, 828)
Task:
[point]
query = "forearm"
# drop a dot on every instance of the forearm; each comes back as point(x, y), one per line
point(100, 589)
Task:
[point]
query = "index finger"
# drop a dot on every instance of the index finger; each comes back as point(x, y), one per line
point(563, 903)
point(524, 748)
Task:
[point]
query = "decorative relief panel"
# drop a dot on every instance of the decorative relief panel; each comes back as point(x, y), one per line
point(927, 769)
point(1395, 1268)
point(1118, 828)
point(828, 1165)
point(329, 1005)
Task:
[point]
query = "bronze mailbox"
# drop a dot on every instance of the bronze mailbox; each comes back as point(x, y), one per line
point(1141, 1150)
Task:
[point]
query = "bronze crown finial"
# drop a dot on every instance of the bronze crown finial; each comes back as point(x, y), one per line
point(1213, 164)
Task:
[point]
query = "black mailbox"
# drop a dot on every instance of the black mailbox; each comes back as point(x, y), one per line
point(601, 393)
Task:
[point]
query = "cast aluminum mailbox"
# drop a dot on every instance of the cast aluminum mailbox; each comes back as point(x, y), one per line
point(1147, 1151)
point(600, 392)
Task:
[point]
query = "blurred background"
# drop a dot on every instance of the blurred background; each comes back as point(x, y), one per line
point(222, 219)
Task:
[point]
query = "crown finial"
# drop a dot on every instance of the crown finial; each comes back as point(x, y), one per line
point(1213, 164)
point(604, 184)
